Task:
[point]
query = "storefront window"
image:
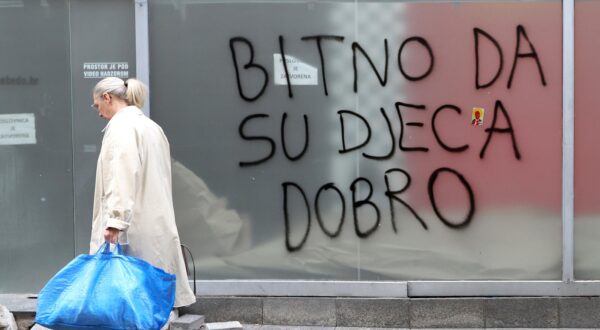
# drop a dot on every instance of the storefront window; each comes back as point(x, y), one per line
point(587, 157)
point(362, 158)
point(36, 194)
point(53, 53)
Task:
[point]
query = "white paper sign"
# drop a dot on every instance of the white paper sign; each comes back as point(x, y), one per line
point(99, 70)
point(300, 73)
point(18, 128)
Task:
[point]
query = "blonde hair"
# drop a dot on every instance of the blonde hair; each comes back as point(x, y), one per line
point(131, 91)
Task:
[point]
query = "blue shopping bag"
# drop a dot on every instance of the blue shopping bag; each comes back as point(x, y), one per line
point(107, 290)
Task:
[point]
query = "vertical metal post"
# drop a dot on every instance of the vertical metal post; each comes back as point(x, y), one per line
point(142, 58)
point(568, 137)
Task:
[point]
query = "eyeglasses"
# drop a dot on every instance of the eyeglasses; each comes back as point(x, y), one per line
point(95, 106)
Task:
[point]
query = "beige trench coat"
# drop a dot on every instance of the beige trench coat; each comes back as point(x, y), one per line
point(134, 194)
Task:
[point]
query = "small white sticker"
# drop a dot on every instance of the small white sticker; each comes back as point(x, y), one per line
point(90, 148)
point(300, 73)
point(18, 128)
point(99, 70)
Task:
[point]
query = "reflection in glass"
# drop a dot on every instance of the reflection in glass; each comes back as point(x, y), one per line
point(435, 197)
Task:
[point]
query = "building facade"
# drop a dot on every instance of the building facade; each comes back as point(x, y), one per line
point(320, 148)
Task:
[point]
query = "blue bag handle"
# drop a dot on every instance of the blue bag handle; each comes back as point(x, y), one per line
point(105, 247)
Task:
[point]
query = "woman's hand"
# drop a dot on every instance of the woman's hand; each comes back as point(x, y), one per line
point(111, 235)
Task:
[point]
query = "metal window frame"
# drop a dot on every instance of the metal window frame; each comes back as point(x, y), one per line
point(568, 137)
point(568, 286)
point(142, 47)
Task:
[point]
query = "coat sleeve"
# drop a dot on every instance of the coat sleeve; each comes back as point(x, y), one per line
point(121, 167)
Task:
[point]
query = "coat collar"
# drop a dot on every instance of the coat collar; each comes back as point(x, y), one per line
point(130, 109)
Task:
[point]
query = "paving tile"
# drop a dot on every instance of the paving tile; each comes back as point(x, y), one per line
point(223, 309)
point(447, 313)
point(372, 312)
point(521, 313)
point(579, 312)
point(299, 311)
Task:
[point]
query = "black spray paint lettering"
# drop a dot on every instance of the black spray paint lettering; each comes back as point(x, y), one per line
point(391, 193)
point(324, 188)
point(284, 145)
point(356, 204)
point(247, 66)
point(256, 138)
point(392, 140)
point(345, 149)
point(507, 130)
point(367, 202)
point(463, 181)
point(414, 124)
point(271, 142)
point(435, 132)
point(478, 34)
point(425, 44)
point(532, 54)
point(392, 196)
point(318, 39)
point(286, 217)
point(499, 109)
point(383, 81)
point(285, 68)
point(356, 47)
point(519, 55)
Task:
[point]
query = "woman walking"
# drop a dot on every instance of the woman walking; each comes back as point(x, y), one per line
point(133, 202)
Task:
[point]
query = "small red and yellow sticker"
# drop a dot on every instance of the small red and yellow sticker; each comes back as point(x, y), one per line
point(477, 116)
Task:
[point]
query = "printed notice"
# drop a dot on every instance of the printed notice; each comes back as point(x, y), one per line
point(18, 128)
point(99, 70)
point(300, 73)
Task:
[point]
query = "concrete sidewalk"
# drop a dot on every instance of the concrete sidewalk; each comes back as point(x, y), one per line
point(338, 313)
point(403, 313)
point(288, 327)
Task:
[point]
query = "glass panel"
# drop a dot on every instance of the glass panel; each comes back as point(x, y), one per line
point(45, 86)
point(90, 34)
point(36, 195)
point(587, 157)
point(246, 177)
point(505, 171)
